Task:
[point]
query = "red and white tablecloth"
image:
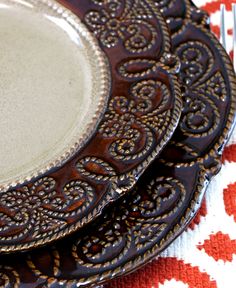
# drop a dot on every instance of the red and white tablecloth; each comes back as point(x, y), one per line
point(204, 256)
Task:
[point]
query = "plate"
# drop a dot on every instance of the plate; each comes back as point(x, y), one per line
point(145, 222)
point(79, 96)
point(168, 195)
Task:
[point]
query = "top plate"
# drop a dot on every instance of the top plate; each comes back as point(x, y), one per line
point(54, 89)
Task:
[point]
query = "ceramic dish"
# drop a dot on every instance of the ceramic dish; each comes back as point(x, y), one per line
point(146, 221)
point(87, 102)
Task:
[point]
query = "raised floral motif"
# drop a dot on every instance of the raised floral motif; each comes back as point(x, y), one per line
point(140, 219)
point(127, 120)
point(8, 277)
point(117, 21)
point(42, 204)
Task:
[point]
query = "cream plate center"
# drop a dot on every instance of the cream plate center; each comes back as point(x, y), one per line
point(53, 87)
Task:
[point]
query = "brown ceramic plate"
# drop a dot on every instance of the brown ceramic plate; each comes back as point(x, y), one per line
point(87, 102)
point(167, 197)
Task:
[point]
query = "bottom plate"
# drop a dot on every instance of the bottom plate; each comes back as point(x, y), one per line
point(141, 225)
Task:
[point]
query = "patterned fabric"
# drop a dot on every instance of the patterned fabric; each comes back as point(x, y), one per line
point(204, 256)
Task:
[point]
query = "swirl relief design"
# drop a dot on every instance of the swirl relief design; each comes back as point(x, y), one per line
point(124, 21)
point(42, 206)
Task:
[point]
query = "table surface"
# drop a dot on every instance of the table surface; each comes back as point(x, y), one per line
point(204, 256)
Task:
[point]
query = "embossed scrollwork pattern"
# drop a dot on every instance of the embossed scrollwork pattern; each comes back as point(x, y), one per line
point(118, 22)
point(203, 90)
point(129, 119)
point(201, 116)
point(43, 207)
point(140, 219)
point(9, 277)
point(95, 169)
point(196, 62)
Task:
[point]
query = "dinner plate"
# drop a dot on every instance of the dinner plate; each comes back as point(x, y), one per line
point(88, 100)
point(168, 195)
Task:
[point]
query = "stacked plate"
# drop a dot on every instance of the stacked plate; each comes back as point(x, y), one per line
point(114, 115)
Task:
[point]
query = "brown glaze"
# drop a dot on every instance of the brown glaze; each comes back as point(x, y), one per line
point(147, 220)
point(141, 116)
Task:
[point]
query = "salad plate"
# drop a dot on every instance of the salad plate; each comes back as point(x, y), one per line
point(140, 225)
point(88, 99)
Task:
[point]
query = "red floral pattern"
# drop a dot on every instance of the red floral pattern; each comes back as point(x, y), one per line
point(156, 273)
point(214, 5)
point(230, 153)
point(220, 247)
point(230, 200)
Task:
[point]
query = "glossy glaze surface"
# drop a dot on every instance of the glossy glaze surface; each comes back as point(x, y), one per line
point(52, 91)
point(145, 222)
point(141, 115)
